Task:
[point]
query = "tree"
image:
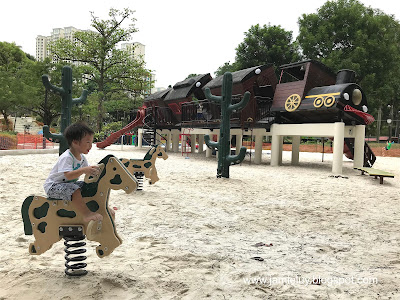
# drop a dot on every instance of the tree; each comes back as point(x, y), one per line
point(345, 34)
point(191, 75)
point(266, 44)
point(110, 69)
point(226, 67)
point(13, 74)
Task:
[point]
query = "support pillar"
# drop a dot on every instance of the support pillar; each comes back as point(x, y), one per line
point(295, 149)
point(338, 143)
point(140, 138)
point(276, 157)
point(258, 148)
point(168, 141)
point(280, 149)
point(183, 142)
point(175, 141)
point(359, 143)
point(193, 143)
point(201, 143)
point(239, 138)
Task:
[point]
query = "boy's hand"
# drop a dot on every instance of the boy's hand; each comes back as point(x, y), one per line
point(91, 170)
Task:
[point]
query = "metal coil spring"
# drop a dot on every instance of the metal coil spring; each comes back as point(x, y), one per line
point(139, 176)
point(71, 267)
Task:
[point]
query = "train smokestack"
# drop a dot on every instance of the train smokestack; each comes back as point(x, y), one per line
point(345, 76)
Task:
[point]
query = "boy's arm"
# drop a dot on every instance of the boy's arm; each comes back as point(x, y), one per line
point(75, 174)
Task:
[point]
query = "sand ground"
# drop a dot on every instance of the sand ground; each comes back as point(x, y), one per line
point(193, 236)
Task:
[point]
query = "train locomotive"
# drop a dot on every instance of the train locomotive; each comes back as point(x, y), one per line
point(313, 94)
point(306, 92)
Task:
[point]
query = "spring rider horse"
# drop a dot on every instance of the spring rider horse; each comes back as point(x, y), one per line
point(146, 166)
point(49, 219)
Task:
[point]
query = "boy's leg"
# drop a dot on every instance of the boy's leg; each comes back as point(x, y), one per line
point(80, 205)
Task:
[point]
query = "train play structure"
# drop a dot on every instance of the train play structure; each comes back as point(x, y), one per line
point(308, 99)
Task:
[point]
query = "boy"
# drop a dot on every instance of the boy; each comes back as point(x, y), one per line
point(62, 182)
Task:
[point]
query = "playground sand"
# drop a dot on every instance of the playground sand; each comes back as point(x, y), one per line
point(193, 236)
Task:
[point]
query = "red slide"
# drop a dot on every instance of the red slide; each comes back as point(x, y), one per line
point(115, 135)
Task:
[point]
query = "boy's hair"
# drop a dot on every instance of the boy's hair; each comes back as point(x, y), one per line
point(76, 131)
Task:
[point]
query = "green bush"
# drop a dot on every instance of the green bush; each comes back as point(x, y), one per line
point(8, 140)
point(107, 130)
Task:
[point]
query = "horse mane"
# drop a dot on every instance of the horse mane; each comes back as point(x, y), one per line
point(150, 153)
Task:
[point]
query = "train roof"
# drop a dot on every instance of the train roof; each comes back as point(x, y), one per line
point(238, 76)
point(292, 67)
point(158, 95)
point(184, 88)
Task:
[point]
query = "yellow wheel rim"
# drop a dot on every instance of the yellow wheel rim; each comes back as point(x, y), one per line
point(292, 102)
point(329, 101)
point(318, 102)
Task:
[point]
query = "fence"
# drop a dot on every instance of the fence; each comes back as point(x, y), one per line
point(32, 141)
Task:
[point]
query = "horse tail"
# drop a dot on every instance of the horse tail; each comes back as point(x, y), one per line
point(25, 215)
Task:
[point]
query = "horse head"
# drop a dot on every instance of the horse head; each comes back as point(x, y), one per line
point(161, 152)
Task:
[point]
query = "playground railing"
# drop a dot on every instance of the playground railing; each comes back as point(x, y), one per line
point(200, 111)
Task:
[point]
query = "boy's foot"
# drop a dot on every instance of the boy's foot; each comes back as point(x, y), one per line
point(92, 216)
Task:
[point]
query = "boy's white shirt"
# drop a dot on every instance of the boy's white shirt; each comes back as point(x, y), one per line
point(67, 162)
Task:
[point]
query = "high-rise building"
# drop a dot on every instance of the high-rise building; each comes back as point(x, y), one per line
point(41, 47)
point(42, 42)
point(136, 49)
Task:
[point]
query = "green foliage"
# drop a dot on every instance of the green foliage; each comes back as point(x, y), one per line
point(262, 45)
point(345, 34)
point(8, 133)
point(8, 140)
point(191, 75)
point(266, 44)
point(14, 74)
point(107, 129)
point(108, 69)
point(226, 67)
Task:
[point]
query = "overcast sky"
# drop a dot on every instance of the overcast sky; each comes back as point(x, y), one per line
point(181, 36)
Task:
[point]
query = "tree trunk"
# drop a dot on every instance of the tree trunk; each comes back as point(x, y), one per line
point(378, 126)
point(7, 122)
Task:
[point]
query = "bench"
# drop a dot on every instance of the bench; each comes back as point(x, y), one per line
point(375, 172)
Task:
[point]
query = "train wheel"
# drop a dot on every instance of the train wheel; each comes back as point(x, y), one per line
point(329, 101)
point(318, 102)
point(292, 102)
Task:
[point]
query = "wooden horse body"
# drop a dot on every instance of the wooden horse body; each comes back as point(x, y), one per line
point(43, 217)
point(147, 164)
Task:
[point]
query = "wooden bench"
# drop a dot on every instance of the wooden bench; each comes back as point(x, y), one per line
point(375, 172)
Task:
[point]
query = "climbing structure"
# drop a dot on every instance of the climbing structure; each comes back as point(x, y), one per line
point(224, 143)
